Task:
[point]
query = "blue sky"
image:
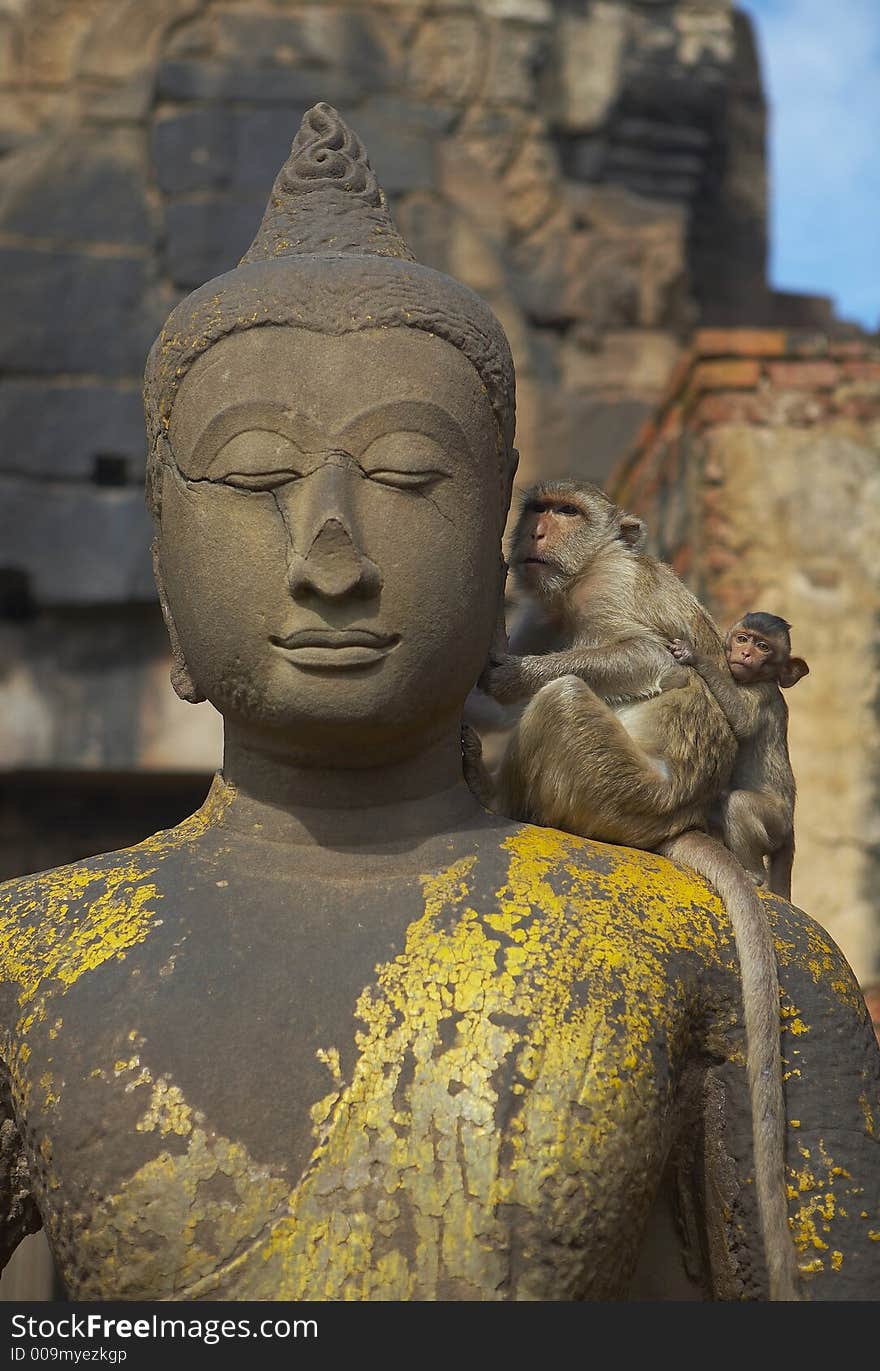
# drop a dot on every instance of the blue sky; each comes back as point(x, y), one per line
point(821, 64)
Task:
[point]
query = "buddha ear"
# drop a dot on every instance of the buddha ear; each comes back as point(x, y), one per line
point(181, 680)
point(511, 474)
point(499, 646)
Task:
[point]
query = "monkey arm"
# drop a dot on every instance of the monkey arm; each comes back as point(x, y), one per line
point(741, 704)
point(631, 668)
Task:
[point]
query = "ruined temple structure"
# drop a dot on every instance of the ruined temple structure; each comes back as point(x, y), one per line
point(595, 169)
point(759, 479)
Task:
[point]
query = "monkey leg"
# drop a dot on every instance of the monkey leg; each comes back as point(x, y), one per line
point(474, 769)
point(754, 826)
point(572, 765)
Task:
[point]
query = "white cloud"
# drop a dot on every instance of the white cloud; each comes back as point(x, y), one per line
point(821, 63)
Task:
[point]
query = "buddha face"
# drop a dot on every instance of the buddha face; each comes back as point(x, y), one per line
point(329, 543)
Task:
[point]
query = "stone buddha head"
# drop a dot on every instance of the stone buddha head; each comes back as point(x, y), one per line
point(330, 465)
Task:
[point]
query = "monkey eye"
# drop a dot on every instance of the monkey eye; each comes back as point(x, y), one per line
point(764, 647)
point(570, 510)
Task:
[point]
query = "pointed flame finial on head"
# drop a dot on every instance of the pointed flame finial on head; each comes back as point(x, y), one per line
point(328, 257)
point(326, 198)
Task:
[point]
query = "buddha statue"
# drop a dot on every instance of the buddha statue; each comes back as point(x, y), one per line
point(342, 1033)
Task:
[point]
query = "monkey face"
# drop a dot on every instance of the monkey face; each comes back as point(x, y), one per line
point(753, 656)
point(329, 532)
point(562, 527)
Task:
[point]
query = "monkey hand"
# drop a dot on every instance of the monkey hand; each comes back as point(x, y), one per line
point(504, 679)
point(682, 651)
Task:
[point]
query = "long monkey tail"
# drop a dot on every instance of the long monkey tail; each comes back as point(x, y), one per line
point(760, 991)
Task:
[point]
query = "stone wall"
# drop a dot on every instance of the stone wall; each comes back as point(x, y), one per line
point(759, 478)
point(595, 168)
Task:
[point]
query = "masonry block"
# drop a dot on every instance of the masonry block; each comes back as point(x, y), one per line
point(67, 431)
point(77, 545)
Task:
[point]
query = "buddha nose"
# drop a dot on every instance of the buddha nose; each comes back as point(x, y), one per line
point(319, 519)
point(334, 566)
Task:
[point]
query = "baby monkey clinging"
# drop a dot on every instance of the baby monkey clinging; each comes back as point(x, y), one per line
point(756, 813)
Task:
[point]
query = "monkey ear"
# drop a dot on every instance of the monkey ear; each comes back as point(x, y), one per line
point(792, 672)
point(633, 531)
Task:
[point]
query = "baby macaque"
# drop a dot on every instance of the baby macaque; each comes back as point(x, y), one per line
point(756, 813)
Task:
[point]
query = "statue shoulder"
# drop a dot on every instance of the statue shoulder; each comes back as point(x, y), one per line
point(44, 915)
point(628, 900)
point(59, 922)
point(813, 971)
point(94, 899)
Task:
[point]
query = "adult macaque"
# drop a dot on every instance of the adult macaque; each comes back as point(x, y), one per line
point(615, 746)
point(757, 814)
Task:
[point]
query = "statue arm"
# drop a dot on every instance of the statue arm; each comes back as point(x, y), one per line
point(833, 1105)
point(19, 1215)
point(831, 1063)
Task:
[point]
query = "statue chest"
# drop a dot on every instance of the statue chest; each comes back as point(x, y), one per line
point(465, 1104)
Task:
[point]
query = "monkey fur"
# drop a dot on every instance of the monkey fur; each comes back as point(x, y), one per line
point(756, 814)
point(614, 745)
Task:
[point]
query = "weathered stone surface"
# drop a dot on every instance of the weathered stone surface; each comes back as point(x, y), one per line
point(597, 431)
point(84, 189)
point(267, 39)
point(635, 360)
point(589, 50)
point(192, 151)
point(94, 693)
point(123, 102)
point(303, 86)
point(78, 545)
point(584, 155)
point(62, 431)
point(789, 495)
point(516, 58)
point(68, 312)
point(402, 135)
point(217, 146)
point(206, 237)
point(746, 489)
point(126, 34)
point(447, 59)
point(491, 136)
point(529, 11)
point(533, 183)
point(463, 182)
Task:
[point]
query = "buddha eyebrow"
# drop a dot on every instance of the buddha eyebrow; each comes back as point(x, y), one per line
point(402, 416)
point(254, 414)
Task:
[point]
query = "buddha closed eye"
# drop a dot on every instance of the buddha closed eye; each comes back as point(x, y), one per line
point(263, 459)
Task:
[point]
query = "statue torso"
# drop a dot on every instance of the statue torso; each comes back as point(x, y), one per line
point(457, 1077)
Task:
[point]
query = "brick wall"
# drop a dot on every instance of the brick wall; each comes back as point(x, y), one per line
point(759, 477)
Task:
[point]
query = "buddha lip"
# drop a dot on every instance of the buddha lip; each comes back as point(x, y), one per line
point(336, 638)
